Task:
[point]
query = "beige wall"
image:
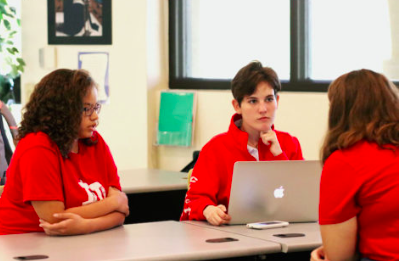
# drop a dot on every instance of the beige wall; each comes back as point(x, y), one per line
point(123, 122)
point(139, 70)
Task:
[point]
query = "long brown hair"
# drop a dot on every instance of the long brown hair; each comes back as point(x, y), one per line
point(55, 107)
point(364, 105)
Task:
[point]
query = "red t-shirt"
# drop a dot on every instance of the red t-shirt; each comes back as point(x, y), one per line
point(38, 172)
point(363, 181)
point(211, 179)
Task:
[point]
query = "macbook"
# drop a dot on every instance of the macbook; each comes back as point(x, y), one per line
point(275, 190)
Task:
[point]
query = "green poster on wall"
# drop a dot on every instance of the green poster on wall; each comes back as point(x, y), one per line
point(175, 124)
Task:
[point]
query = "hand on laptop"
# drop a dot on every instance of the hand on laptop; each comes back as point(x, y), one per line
point(216, 215)
point(269, 138)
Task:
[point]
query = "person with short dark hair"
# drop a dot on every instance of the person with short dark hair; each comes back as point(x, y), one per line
point(359, 191)
point(251, 137)
point(62, 178)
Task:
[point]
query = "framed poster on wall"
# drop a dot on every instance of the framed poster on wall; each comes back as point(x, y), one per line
point(79, 21)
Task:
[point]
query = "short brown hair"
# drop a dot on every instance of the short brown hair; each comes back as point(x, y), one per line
point(363, 105)
point(247, 79)
point(55, 107)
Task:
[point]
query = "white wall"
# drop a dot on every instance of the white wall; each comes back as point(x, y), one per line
point(123, 122)
point(139, 70)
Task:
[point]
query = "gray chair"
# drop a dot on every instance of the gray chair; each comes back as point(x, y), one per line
point(5, 148)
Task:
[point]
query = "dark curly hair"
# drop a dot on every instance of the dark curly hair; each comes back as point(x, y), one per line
point(246, 80)
point(55, 107)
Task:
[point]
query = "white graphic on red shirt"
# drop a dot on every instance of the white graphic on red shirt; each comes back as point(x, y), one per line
point(193, 180)
point(95, 191)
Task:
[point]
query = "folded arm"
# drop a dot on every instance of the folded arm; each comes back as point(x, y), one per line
point(99, 215)
point(73, 224)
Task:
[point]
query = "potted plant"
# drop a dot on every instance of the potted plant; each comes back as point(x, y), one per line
point(11, 63)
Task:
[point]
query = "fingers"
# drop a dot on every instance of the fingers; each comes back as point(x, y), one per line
point(120, 199)
point(124, 205)
point(112, 191)
point(270, 138)
point(216, 215)
point(222, 207)
point(318, 254)
point(70, 224)
point(64, 215)
point(55, 229)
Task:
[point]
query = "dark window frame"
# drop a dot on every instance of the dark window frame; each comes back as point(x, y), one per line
point(299, 56)
point(178, 55)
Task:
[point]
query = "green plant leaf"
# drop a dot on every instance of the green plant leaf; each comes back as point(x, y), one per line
point(21, 61)
point(10, 50)
point(7, 24)
point(13, 10)
point(8, 14)
point(9, 53)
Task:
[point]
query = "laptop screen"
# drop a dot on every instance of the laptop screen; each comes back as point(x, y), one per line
point(275, 190)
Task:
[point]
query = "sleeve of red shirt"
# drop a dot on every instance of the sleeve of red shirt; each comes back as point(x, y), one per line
point(41, 175)
point(203, 186)
point(338, 190)
point(291, 149)
point(296, 154)
point(112, 172)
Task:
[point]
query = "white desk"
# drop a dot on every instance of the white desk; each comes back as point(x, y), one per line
point(168, 240)
point(310, 241)
point(154, 195)
point(152, 180)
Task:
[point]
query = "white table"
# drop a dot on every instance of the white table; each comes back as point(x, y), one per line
point(168, 240)
point(152, 180)
point(310, 240)
point(154, 195)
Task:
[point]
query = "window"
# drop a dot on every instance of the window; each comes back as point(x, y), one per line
point(307, 42)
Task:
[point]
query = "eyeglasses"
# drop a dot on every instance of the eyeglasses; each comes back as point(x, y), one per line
point(90, 109)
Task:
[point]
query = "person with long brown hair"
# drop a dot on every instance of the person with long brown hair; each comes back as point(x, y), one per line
point(62, 178)
point(359, 190)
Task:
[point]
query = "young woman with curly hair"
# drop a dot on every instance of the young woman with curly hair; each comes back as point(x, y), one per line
point(359, 191)
point(62, 178)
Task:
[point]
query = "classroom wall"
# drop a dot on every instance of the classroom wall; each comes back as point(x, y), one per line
point(139, 71)
point(304, 115)
point(123, 122)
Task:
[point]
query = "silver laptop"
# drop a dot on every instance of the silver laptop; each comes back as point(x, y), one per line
point(274, 190)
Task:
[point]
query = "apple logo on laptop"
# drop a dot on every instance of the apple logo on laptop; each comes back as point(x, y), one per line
point(278, 193)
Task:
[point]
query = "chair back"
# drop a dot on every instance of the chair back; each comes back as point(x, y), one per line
point(191, 164)
point(5, 148)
